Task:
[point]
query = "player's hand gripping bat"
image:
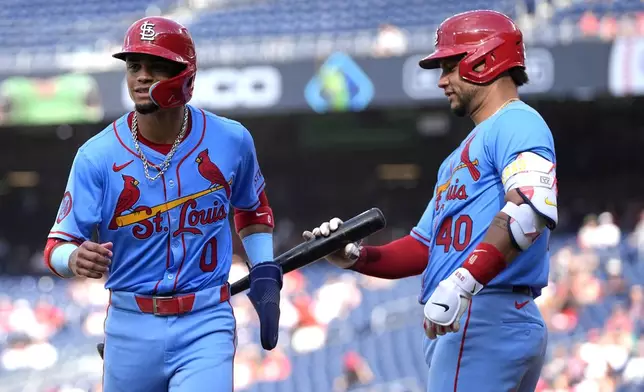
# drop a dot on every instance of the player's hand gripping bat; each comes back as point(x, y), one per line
point(352, 230)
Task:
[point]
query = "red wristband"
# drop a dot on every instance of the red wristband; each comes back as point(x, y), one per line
point(485, 263)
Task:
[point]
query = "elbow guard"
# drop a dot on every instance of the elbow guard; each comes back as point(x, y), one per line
point(535, 180)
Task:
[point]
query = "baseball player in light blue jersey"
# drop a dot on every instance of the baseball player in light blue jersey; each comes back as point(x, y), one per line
point(157, 186)
point(482, 243)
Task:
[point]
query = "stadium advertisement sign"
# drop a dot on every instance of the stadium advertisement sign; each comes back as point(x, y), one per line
point(626, 67)
point(338, 83)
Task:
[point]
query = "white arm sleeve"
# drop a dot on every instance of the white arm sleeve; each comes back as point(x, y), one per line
point(60, 259)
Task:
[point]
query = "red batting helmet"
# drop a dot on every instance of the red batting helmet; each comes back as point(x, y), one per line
point(483, 36)
point(170, 40)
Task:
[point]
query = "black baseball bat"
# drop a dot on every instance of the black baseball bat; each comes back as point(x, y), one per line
point(354, 229)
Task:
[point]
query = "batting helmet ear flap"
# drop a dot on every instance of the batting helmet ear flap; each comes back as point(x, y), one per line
point(492, 54)
point(172, 92)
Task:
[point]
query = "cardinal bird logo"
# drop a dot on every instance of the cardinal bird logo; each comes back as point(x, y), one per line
point(127, 198)
point(211, 172)
point(465, 159)
point(456, 191)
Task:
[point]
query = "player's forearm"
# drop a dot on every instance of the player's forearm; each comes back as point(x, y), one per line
point(255, 228)
point(498, 235)
point(398, 259)
point(258, 243)
point(493, 254)
point(56, 256)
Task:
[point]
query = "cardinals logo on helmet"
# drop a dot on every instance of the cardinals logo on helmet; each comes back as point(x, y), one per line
point(147, 32)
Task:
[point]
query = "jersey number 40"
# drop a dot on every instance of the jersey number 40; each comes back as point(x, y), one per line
point(456, 234)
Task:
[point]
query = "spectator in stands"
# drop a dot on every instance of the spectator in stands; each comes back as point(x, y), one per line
point(309, 333)
point(247, 358)
point(589, 24)
point(252, 366)
point(616, 284)
point(619, 321)
point(577, 364)
point(608, 27)
point(355, 371)
point(587, 235)
point(391, 41)
point(586, 288)
point(608, 232)
point(373, 283)
point(27, 353)
point(634, 369)
point(637, 237)
point(560, 384)
point(627, 25)
point(336, 298)
point(599, 232)
point(639, 23)
point(6, 307)
point(557, 364)
point(636, 303)
point(274, 367)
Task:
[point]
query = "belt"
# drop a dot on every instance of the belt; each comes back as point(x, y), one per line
point(527, 290)
point(517, 289)
point(172, 305)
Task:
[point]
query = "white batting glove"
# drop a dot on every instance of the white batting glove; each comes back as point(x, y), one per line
point(343, 258)
point(447, 304)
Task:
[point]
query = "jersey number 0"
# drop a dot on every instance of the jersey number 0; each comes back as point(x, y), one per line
point(208, 264)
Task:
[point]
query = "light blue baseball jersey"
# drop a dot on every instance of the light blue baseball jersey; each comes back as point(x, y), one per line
point(171, 235)
point(469, 193)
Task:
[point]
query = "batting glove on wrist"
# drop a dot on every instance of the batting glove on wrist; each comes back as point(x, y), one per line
point(264, 294)
point(343, 258)
point(447, 304)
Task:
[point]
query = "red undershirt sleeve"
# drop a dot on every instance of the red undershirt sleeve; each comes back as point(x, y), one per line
point(398, 259)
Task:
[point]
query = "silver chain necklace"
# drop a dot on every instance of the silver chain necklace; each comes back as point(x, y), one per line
point(166, 163)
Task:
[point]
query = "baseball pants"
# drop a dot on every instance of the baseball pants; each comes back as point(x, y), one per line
point(500, 347)
point(189, 353)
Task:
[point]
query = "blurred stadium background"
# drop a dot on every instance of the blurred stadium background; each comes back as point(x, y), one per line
point(311, 78)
